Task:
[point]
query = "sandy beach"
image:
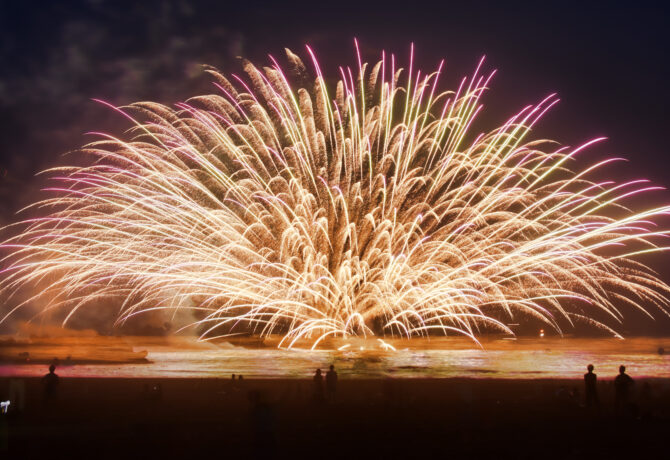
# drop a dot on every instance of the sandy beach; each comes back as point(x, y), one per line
point(375, 418)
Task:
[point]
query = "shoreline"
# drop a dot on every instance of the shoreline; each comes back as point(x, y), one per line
point(204, 390)
point(141, 357)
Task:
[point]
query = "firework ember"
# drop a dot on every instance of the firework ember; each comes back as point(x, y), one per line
point(285, 205)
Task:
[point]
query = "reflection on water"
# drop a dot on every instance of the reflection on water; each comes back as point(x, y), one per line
point(444, 357)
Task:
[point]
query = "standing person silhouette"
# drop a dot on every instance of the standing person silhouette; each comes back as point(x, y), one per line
point(318, 386)
point(331, 383)
point(590, 387)
point(50, 382)
point(623, 385)
point(262, 425)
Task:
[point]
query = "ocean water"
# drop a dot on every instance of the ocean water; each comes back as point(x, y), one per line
point(179, 357)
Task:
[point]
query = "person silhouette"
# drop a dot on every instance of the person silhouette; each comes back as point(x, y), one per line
point(262, 425)
point(331, 383)
point(590, 388)
point(17, 394)
point(318, 386)
point(50, 382)
point(623, 384)
point(646, 401)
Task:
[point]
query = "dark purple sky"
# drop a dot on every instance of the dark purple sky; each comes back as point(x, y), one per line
point(607, 63)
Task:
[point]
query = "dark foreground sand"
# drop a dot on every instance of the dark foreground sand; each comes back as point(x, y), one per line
point(448, 418)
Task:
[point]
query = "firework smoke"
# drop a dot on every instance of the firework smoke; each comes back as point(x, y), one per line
point(273, 207)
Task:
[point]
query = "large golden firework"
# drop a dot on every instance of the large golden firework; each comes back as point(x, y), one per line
point(273, 207)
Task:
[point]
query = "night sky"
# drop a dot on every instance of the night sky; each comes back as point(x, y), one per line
point(607, 63)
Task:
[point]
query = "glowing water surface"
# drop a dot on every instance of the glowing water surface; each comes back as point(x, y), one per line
point(444, 357)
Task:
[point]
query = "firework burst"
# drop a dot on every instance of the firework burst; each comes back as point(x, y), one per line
point(274, 207)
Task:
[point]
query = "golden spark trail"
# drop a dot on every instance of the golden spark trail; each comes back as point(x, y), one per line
point(275, 207)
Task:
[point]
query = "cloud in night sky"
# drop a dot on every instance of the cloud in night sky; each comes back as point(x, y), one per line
point(46, 94)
